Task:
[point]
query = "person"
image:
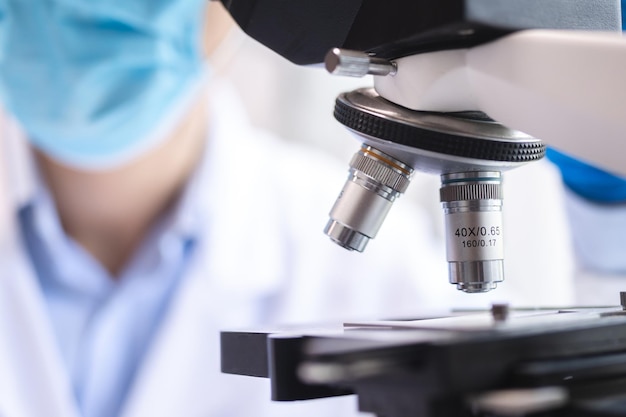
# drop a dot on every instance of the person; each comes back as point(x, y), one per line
point(143, 214)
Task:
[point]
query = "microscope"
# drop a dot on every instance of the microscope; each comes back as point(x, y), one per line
point(463, 89)
point(454, 81)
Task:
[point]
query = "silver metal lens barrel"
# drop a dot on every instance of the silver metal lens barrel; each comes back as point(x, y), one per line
point(374, 182)
point(472, 203)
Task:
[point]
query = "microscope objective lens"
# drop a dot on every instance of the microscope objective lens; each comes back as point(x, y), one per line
point(374, 182)
point(472, 203)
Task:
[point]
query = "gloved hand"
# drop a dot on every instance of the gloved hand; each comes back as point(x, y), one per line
point(588, 181)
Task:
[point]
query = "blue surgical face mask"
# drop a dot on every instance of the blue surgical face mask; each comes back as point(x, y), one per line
point(93, 81)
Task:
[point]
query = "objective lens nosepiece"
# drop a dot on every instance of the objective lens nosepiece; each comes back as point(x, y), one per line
point(472, 203)
point(374, 182)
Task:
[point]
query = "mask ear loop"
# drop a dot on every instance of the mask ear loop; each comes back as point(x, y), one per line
point(221, 48)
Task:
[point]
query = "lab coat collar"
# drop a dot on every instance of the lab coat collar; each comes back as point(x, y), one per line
point(33, 381)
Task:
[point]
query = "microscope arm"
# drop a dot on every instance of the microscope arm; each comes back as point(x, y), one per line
point(567, 88)
point(456, 55)
point(304, 31)
point(563, 87)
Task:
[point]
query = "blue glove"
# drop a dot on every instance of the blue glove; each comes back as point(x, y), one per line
point(587, 181)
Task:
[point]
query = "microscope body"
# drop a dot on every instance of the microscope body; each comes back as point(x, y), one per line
point(427, 110)
point(305, 31)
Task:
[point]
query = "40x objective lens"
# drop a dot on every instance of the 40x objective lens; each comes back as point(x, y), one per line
point(374, 182)
point(472, 203)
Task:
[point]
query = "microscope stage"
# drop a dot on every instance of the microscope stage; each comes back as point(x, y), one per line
point(559, 361)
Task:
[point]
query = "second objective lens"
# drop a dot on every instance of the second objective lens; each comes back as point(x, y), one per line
point(472, 203)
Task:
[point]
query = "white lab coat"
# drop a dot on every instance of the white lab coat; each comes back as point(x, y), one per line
point(263, 260)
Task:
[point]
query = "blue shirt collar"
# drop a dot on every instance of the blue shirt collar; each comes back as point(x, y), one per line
point(68, 261)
